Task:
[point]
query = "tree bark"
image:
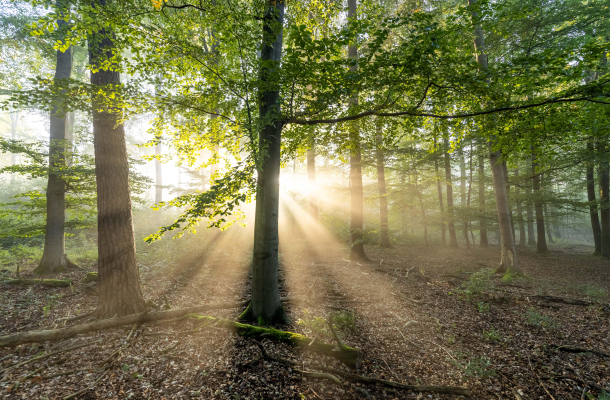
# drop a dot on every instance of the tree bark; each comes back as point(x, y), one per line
point(266, 305)
point(548, 224)
point(519, 210)
point(439, 189)
point(541, 241)
point(604, 183)
point(463, 207)
point(311, 178)
point(383, 198)
point(531, 234)
point(450, 213)
point(119, 280)
point(483, 242)
point(595, 225)
point(54, 258)
point(355, 162)
point(509, 261)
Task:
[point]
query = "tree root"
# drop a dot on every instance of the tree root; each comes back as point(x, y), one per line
point(458, 390)
point(557, 299)
point(319, 375)
point(41, 282)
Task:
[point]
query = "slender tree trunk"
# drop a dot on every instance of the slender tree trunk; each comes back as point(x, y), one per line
point(482, 220)
point(158, 175)
point(541, 241)
point(266, 304)
point(450, 213)
point(604, 196)
point(118, 276)
point(508, 195)
point(383, 197)
point(547, 219)
point(439, 189)
point(468, 213)
point(54, 257)
point(311, 177)
point(595, 225)
point(519, 210)
point(531, 234)
point(355, 161)
point(509, 261)
point(463, 195)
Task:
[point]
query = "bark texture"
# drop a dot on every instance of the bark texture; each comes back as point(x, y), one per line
point(119, 280)
point(463, 195)
point(531, 234)
point(522, 239)
point(450, 214)
point(355, 163)
point(538, 206)
point(266, 305)
point(439, 189)
point(383, 197)
point(483, 242)
point(509, 261)
point(604, 180)
point(54, 258)
point(595, 224)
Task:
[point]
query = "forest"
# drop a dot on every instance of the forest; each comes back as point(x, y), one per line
point(306, 199)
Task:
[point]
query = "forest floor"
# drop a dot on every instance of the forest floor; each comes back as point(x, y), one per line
point(420, 315)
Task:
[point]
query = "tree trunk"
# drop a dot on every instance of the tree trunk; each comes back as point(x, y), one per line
point(519, 210)
point(383, 198)
point(266, 305)
point(548, 225)
point(54, 258)
point(355, 162)
point(463, 195)
point(158, 175)
point(595, 225)
point(311, 177)
point(541, 241)
point(439, 188)
point(482, 221)
point(509, 261)
point(531, 234)
point(450, 216)
point(508, 196)
point(119, 280)
point(604, 180)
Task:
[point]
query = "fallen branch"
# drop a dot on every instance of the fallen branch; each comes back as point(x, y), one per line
point(319, 375)
point(88, 387)
point(64, 333)
point(557, 299)
point(457, 390)
point(41, 282)
point(573, 349)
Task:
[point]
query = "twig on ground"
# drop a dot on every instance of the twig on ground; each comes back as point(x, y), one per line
point(539, 381)
point(88, 387)
point(572, 349)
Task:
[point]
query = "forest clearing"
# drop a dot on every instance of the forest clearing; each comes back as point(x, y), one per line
point(314, 199)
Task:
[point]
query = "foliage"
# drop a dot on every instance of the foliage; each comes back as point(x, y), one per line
point(471, 368)
point(536, 319)
point(594, 292)
point(476, 285)
point(493, 335)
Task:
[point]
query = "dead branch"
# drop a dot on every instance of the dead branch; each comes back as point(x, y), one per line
point(458, 390)
point(319, 375)
point(64, 333)
point(573, 349)
point(557, 299)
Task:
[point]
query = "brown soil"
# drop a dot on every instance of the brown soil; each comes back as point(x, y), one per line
point(494, 338)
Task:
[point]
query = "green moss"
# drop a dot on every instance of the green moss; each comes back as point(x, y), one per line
point(247, 315)
point(91, 277)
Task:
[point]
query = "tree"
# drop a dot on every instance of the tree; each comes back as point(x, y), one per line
point(384, 235)
point(54, 258)
point(449, 180)
point(538, 205)
point(482, 220)
point(118, 275)
point(439, 189)
point(595, 225)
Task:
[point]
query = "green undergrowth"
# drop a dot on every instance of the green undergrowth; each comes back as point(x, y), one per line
point(473, 367)
point(534, 318)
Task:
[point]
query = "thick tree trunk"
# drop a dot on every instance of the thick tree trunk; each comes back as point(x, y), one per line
point(439, 189)
point(508, 196)
point(383, 199)
point(595, 225)
point(311, 177)
point(54, 257)
point(355, 163)
point(522, 239)
point(266, 305)
point(541, 240)
point(119, 280)
point(604, 195)
point(158, 175)
point(463, 195)
point(450, 213)
point(509, 261)
point(482, 220)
